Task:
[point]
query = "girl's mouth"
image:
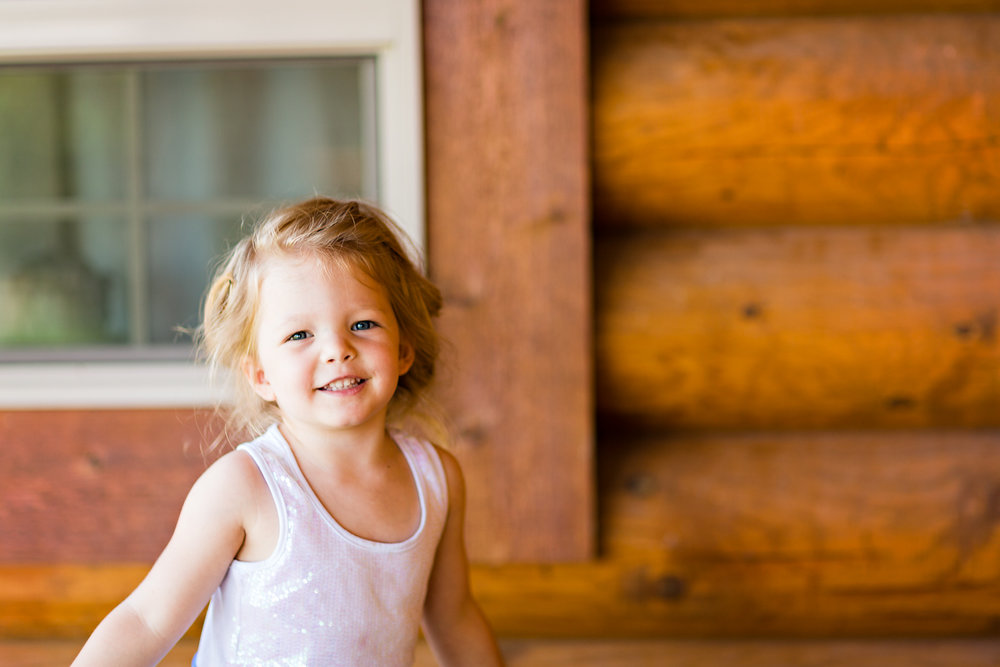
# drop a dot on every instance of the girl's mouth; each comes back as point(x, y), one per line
point(341, 384)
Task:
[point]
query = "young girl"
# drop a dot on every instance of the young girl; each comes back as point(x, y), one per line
point(332, 536)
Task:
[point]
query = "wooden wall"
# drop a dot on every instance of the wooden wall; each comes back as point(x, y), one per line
point(794, 329)
point(797, 288)
point(88, 498)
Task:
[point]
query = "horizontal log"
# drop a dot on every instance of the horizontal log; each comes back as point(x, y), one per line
point(804, 121)
point(788, 534)
point(635, 653)
point(869, 513)
point(609, 599)
point(699, 9)
point(46, 652)
point(800, 328)
point(868, 534)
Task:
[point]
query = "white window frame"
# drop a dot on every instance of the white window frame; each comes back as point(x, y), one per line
point(75, 31)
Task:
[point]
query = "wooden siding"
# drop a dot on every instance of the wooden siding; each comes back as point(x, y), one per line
point(88, 487)
point(796, 378)
point(604, 10)
point(801, 327)
point(639, 653)
point(798, 373)
point(90, 497)
point(803, 534)
point(797, 122)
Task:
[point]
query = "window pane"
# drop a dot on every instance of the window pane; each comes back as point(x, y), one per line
point(276, 131)
point(61, 134)
point(62, 282)
point(182, 252)
point(120, 184)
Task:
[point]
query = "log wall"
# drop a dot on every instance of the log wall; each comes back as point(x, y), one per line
point(796, 295)
point(796, 291)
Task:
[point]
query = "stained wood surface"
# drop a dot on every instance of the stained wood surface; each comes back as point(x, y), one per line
point(789, 328)
point(107, 486)
point(876, 533)
point(79, 486)
point(604, 10)
point(799, 121)
point(855, 534)
point(510, 247)
point(641, 653)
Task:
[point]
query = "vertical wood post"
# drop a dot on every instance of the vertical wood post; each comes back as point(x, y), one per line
point(509, 244)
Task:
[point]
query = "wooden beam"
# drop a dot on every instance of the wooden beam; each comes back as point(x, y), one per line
point(787, 328)
point(797, 122)
point(635, 653)
point(509, 245)
point(855, 512)
point(700, 9)
point(855, 534)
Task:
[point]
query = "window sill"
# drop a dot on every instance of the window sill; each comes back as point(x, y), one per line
point(61, 386)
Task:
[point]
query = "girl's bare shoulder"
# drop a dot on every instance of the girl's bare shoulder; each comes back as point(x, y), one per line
point(232, 482)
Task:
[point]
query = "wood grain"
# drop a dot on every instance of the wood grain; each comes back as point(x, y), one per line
point(510, 247)
point(786, 328)
point(884, 121)
point(82, 486)
point(856, 534)
point(636, 653)
point(824, 514)
point(603, 10)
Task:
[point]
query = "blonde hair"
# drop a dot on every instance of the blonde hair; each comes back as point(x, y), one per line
point(342, 231)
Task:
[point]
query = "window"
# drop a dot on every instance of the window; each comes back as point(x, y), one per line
point(119, 186)
point(135, 138)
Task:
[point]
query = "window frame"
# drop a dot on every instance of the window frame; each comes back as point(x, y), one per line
point(79, 31)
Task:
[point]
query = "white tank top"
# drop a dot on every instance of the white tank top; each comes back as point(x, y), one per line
point(326, 596)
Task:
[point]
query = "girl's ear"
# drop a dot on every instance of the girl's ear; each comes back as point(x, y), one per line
point(257, 379)
point(406, 357)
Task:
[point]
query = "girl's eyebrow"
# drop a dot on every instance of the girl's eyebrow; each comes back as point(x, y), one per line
point(360, 310)
point(293, 321)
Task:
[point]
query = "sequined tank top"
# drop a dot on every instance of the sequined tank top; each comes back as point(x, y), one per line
point(326, 596)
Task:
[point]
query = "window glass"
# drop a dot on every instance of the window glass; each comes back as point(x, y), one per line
point(63, 282)
point(182, 252)
point(121, 184)
point(61, 135)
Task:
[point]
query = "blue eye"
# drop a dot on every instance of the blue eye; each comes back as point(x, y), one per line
point(363, 325)
point(298, 335)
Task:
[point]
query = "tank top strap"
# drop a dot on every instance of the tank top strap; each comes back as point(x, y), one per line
point(271, 460)
point(426, 462)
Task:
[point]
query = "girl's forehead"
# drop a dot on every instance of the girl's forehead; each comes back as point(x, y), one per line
point(280, 272)
point(306, 264)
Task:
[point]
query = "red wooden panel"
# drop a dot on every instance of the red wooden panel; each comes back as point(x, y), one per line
point(90, 486)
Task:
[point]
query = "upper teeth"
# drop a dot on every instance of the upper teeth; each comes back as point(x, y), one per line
point(346, 383)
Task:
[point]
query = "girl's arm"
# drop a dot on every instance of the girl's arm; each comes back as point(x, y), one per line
point(209, 533)
point(454, 626)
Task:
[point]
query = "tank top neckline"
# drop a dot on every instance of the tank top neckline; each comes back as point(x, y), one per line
point(400, 439)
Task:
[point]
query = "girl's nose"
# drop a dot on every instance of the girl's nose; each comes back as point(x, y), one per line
point(339, 349)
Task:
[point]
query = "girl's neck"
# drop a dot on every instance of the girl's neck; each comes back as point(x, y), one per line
point(355, 447)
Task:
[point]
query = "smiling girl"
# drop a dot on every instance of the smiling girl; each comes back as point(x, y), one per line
point(331, 537)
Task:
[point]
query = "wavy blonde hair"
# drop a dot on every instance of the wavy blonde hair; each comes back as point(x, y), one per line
point(353, 232)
